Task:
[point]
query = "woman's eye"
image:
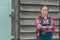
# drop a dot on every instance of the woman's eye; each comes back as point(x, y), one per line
point(44, 10)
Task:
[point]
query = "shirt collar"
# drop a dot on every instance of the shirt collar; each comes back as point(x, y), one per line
point(44, 18)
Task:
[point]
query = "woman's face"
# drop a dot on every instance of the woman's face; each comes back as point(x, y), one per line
point(44, 11)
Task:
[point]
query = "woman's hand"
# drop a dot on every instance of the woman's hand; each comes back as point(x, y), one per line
point(49, 29)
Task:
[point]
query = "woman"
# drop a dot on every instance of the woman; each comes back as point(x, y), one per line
point(45, 25)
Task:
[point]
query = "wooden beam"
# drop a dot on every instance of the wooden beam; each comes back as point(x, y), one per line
point(59, 19)
point(15, 19)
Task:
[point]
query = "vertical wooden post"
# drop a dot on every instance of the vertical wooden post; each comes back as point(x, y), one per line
point(59, 28)
point(59, 23)
point(15, 19)
point(59, 20)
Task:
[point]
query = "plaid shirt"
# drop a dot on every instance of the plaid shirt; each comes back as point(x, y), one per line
point(39, 27)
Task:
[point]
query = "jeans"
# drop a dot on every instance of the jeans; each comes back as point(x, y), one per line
point(44, 36)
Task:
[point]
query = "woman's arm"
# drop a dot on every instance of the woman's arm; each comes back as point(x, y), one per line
point(37, 25)
point(53, 25)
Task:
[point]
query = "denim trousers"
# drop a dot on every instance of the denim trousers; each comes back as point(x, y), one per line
point(44, 36)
